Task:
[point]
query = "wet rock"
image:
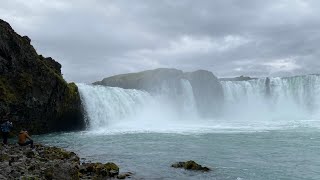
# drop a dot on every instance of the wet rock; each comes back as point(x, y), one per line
point(99, 169)
point(4, 157)
point(48, 173)
point(124, 175)
point(45, 162)
point(30, 154)
point(178, 165)
point(190, 165)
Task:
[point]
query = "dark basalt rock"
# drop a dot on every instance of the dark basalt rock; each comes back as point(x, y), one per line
point(32, 88)
point(190, 165)
point(45, 162)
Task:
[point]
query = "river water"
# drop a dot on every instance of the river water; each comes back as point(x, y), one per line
point(269, 129)
point(277, 154)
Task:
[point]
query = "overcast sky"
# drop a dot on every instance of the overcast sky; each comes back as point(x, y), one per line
point(93, 39)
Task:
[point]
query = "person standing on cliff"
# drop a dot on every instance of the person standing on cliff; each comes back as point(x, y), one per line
point(23, 136)
point(6, 128)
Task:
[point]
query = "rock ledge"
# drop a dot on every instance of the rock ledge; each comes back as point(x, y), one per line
point(44, 162)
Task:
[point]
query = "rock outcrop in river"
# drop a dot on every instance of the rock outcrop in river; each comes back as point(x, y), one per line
point(32, 88)
point(206, 87)
point(190, 165)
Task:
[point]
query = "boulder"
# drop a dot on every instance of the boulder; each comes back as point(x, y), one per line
point(99, 169)
point(190, 165)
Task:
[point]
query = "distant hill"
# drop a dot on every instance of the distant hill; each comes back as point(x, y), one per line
point(240, 78)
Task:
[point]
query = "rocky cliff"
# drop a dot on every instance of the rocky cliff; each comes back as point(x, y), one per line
point(32, 88)
point(207, 91)
point(206, 87)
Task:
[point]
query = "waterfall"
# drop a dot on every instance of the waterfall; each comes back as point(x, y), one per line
point(264, 103)
point(273, 98)
point(108, 107)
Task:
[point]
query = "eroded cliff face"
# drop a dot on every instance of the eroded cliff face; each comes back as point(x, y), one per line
point(206, 87)
point(32, 88)
point(208, 92)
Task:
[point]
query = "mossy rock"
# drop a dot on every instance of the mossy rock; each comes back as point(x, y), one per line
point(111, 166)
point(57, 153)
point(48, 173)
point(7, 93)
point(105, 170)
point(4, 157)
point(190, 165)
point(29, 178)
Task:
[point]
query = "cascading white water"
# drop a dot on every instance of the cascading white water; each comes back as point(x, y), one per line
point(112, 107)
point(249, 105)
point(293, 98)
point(104, 105)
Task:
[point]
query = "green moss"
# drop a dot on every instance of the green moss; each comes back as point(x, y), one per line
point(111, 166)
point(73, 91)
point(71, 94)
point(57, 153)
point(4, 157)
point(11, 95)
point(29, 178)
point(102, 169)
point(6, 92)
point(48, 173)
point(80, 175)
point(49, 69)
point(190, 165)
point(25, 81)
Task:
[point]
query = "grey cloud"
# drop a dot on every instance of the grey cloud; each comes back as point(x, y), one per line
point(95, 39)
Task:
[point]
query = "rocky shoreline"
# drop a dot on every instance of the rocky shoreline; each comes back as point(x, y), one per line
point(44, 162)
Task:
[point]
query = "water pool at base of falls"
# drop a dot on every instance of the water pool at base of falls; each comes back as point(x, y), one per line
point(263, 155)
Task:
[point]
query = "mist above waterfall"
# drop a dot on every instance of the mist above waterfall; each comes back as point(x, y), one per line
point(258, 104)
